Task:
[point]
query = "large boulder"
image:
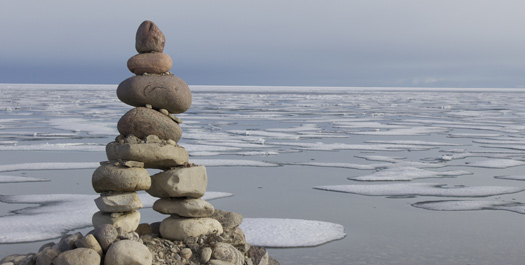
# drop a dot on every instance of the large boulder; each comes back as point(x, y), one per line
point(160, 91)
point(185, 207)
point(128, 221)
point(155, 63)
point(127, 252)
point(179, 228)
point(149, 38)
point(142, 122)
point(78, 256)
point(114, 202)
point(179, 182)
point(108, 177)
point(153, 155)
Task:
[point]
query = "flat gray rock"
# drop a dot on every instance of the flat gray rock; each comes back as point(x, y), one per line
point(155, 63)
point(127, 221)
point(127, 252)
point(160, 91)
point(179, 182)
point(114, 202)
point(142, 122)
point(179, 228)
point(153, 155)
point(185, 207)
point(108, 177)
point(105, 234)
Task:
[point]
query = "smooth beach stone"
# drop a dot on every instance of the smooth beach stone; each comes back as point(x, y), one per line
point(234, 236)
point(67, 242)
point(152, 63)
point(112, 178)
point(179, 228)
point(127, 221)
point(105, 234)
point(185, 207)
point(227, 252)
point(205, 254)
point(258, 255)
point(149, 38)
point(219, 262)
point(78, 256)
point(114, 202)
point(127, 252)
point(161, 92)
point(228, 220)
point(179, 182)
point(89, 241)
point(156, 155)
point(142, 122)
point(47, 256)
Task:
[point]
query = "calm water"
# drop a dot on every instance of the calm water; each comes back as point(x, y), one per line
point(308, 137)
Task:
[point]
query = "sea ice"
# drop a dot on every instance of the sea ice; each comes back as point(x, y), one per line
point(17, 179)
point(512, 177)
point(56, 147)
point(496, 163)
point(407, 174)
point(49, 166)
point(453, 205)
point(273, 232)
point(91, 126)
point(232, 163)
point(422, 189)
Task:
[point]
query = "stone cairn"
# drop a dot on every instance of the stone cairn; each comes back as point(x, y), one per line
point(195, 232)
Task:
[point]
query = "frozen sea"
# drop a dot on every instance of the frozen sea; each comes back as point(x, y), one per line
point(322, 175)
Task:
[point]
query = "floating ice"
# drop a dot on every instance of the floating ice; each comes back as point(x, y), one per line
point(90, 126)
point(49, 166)
point(453, 205)
point(409, 131)
point(422, 189)
point(56, 147)
point(274, 135)
point(56, 215)
point(512, 177)
point(273, 232)
point(406, 174)
point(473, 135)
point(411, 142)
point(16, 179)
point(496, 163)
point(232, 163)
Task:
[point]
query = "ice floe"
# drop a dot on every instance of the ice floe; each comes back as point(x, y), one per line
point(407, 174)
point(232, 163)
point(512, 177)
point(56, 147)
point(455, 205)
point(496, 163)
point(422, 189)
point(49, 166)
point(274, 232)
point(17, 179)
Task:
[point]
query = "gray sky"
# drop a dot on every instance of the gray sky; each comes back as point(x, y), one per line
point(437, 43)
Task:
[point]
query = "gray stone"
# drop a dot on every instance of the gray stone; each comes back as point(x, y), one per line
point(46, 245)
point(157, 155)
point(79, 256)
point(228, 220)
point(152, 139)
point(179, 228)
point(105, 234)
point(155, 63)
point(234, 236)
point(112, 178)
point(47, 256)
point(185, 207)
point(127, 252)
point(161, 92)
point(258, 255)
point(133, 164)
point(129, 221)
point(272, 261)
point(179, 182)
point(219, 262)
point(89, 241)
point(149, 38)
point(67, 242)
point(205, 254)
point(114, 202)
point(142, 122)
point(186, 253)
point(227, 252)
point(28, 260)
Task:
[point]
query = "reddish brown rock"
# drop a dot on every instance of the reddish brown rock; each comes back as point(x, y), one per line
point(149, 38)
point(161, 92)
point(142, 122)
point(152, 63)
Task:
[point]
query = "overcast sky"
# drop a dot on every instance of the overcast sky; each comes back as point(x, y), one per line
point(437, 43)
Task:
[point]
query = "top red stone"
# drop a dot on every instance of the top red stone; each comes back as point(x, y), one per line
point(149, 38)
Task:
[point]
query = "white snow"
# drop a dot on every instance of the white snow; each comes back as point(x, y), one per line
point(56, 147)
point(274, 232)
point(496, 163)
point(422, 189)
point(406, 174)
point(17, 179)
point(452, 205)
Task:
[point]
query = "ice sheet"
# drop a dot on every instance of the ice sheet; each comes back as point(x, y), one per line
point(422, 189)
point(273, 232)
point(232, 163)
point(496, 163)
point(49, 166)
point(56, 147)
point(83, 125)
point(407, 174)
point(17, 179)
point(453, 205)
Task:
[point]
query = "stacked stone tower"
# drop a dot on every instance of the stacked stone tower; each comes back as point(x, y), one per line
point(148, 139)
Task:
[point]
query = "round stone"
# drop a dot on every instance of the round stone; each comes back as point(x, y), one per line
point(78, 256)
point(161, 92)
point(155, 155)
point(179, 228)
point(186, 207)
point(179, 182)
point(149, 38)
point(152, 63)
point(128, 221)
point(114, 202)
point(112, 178)
point(142, 122)
point(127, 252)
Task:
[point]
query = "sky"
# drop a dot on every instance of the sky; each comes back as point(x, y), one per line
point(360, 43)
